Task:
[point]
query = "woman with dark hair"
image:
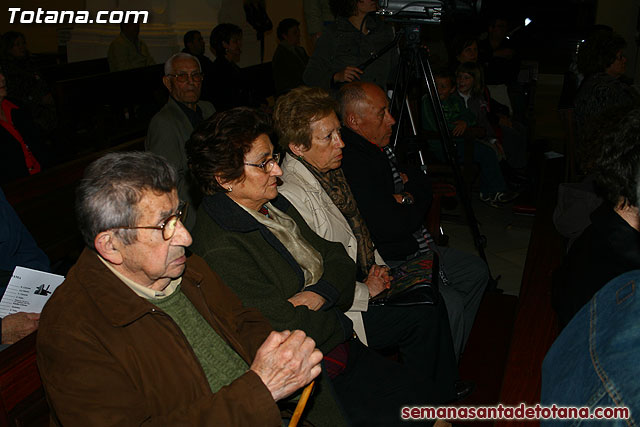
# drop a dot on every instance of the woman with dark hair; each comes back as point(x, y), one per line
point(464, 48)
point(263, 249)
point(602, 61)
point(226, 85)
point(28, 89)
point(609, 246)
point(347, 43)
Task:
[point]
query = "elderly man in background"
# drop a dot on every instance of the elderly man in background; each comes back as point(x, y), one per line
point(172, 126)
point(140, 332)
point(127, 50)
point(394, 203)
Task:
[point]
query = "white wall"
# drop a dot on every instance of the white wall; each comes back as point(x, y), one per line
point(622, 16)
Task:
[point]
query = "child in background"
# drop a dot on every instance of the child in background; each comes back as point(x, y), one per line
point(493, 189)
point(500, 130)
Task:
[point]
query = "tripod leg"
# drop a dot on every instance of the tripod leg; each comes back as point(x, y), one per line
point(450, 151)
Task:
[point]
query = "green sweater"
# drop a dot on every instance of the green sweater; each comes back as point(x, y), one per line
point(454, 110)
point(221, 364)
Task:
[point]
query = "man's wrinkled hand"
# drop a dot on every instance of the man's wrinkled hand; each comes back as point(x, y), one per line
point(18, 325)
point(287, 361)
point(378, 279)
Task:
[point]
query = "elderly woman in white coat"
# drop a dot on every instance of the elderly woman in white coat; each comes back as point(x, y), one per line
point(309, 132)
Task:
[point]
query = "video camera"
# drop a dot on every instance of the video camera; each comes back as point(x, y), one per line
point(425, 12)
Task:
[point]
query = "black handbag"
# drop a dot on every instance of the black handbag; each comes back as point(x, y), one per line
point(413, 283)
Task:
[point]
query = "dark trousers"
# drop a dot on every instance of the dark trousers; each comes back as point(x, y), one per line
point(423, 337)
point(372, 389)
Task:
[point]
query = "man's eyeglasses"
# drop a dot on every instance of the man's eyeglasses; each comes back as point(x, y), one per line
point(196, 76)
point(168, 226)
point(267, 165)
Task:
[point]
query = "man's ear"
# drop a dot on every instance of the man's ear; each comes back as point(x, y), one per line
point(167, 82)
point(351, 120)
point(108, 247)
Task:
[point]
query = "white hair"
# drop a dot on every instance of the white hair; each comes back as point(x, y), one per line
point(168, 65)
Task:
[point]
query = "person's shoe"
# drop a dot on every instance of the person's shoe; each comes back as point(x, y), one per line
point(506, 196)
point(489, 199)
point(497, 199)
point(463, 389)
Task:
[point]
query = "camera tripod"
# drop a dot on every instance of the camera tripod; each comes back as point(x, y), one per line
point(414, 62)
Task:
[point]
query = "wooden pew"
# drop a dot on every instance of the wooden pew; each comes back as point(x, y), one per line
point(45, 204)
point(102, 110)
point(74, 70)
point(22, 399)
point(536, 326)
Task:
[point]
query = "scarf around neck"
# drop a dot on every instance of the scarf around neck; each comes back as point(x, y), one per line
point(335, 185)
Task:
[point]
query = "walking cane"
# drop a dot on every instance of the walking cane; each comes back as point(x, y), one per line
point(301, 404)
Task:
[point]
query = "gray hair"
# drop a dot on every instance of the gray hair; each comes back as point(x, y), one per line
point(349, 96)
point(168, 65)
point(111, 189)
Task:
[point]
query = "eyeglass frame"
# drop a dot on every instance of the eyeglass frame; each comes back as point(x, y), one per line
point(179, 215)
point(275, 158)
point(188, 76)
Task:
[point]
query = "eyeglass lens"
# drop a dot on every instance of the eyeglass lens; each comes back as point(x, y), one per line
point(169, 228)
point(268, 167)
point(182, 78)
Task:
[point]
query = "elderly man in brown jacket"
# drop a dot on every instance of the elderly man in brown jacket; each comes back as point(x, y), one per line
point(140, 332)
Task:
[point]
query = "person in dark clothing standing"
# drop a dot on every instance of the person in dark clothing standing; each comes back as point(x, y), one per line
point(289, 59)
point(226, 85)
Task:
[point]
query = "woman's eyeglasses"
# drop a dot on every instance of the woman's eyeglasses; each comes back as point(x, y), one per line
point(267, 165)
point(168, 226)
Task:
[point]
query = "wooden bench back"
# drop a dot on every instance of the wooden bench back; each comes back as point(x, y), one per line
point(22, 398)
point(45, 204)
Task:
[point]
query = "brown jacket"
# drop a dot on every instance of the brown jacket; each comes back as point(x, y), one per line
point(109, 357)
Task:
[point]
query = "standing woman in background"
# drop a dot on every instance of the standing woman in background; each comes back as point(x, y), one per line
point(347, 43)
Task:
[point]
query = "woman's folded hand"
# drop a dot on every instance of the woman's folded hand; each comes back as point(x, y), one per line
point(309, 299)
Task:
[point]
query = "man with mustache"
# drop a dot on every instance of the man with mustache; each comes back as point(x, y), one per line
point(142, 332)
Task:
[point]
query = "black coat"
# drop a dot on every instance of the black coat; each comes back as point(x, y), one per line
point(605, 250)
point(369, 175)
point(288, 65)
point(226, 86)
